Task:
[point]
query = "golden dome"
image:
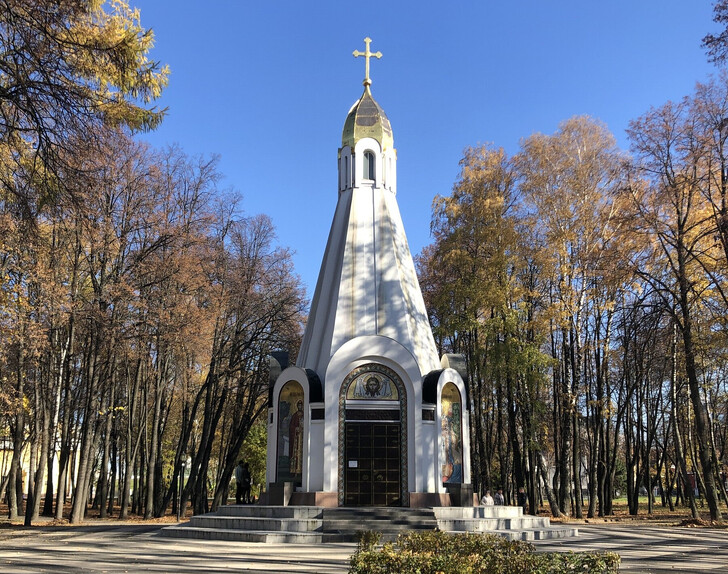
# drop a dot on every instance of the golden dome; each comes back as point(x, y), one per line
point(366, 119)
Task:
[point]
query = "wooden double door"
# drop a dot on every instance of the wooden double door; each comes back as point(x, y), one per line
point(372, 464)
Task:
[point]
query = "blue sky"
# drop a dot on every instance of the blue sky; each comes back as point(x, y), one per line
point(267, 86)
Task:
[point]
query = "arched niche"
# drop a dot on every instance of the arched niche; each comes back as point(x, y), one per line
point(290, 433)
point(451, 421)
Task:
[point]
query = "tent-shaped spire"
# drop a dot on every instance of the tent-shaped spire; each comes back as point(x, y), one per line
point(367, 284)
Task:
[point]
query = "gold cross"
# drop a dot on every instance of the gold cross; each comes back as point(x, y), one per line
point(367, 54)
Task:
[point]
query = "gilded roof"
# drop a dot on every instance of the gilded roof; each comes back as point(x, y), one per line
point(367, 119)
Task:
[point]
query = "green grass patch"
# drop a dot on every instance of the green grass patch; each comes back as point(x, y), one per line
point(446, 553)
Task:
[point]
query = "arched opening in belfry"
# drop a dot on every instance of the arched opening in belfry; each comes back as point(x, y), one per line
point(369, 165)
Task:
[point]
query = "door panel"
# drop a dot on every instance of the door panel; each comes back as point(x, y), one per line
point(372, 464)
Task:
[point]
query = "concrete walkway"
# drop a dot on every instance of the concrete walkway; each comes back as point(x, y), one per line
point(649, 549)
point(139, 548)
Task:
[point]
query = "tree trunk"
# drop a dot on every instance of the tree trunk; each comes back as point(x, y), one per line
point(36, 485)
point(88, 439)
point(553, 503)
point(566, 419)
point(114, 462)
point(15, 498)
point(702, 423)
point(104, 471)
point(677, 436)
point(154, 435)
point(576, 460)
point(131, 447)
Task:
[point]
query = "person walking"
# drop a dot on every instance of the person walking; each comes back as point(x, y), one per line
point(239, 482)
point(246, 484)
point(522, 499)
point(487, 499)
point(498, 498)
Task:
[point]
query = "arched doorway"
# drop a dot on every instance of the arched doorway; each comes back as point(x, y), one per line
point(373, 438)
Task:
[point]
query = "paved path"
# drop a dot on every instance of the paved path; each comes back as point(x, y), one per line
point(652, 550)
point(138, 548)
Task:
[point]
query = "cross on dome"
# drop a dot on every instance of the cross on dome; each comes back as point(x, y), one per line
point(367, 53)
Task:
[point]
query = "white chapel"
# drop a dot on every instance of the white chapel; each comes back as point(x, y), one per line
point(370, 415)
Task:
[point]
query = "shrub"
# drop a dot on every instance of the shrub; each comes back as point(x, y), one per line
point(591, 562)
point(445, 553)
point(367, 540)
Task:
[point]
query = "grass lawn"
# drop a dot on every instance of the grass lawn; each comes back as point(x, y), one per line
point(661, 515)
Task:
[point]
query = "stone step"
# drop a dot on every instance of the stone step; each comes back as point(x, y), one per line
point(528, 534)
point(478, 512)
point(318, 512)
point(379, 526)
point(379, 519)
point(198, 533)
point(257, 523)
point(489, 524)
point(253, 510)
point(313, 525)
point(379, 510)
point(273, 537)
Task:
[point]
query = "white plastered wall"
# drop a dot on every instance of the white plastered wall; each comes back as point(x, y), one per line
point(389, 170)
point(345, 172)
point(428, 445)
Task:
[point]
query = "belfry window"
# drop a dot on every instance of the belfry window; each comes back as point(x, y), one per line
point(368, 165)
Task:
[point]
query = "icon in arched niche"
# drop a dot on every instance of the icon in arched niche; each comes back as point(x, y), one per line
point(290, 433)
point(452, 435)
point(370, 385)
